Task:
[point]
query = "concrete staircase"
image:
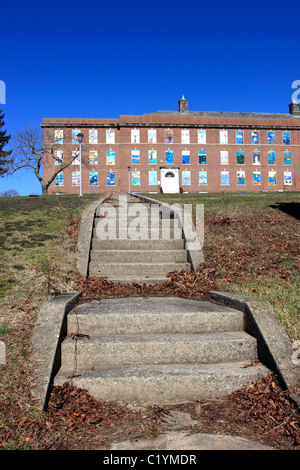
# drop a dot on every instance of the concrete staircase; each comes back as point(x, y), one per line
point(141, 246)
point(157, 350)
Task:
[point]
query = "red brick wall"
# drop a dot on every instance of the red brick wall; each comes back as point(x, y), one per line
point(123, 147)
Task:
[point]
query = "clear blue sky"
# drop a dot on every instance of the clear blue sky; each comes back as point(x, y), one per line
point(102, 59)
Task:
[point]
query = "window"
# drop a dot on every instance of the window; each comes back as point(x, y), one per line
point(185, 136)
point(93, 136)
point(59, 157)
point(256, 178)
point(272, 178)
point(151, 136)
point(135, 136)
point(286, 138)
point(135, 178)
point(110, 136)
point(75, 178)
point(241, 180)
point(75, 157)
point(152, 178)
point(255, 137)
point(59, 179)
point(59, 136)
point(135, 157)
point(152, 157)
point(110, 157)
point(75, 133)
point(287, 158)
point(186, 178)
point(271, 137)
point(240, 157)
point(202, 157)
point(93, 178)
point(169, 160)
point(93, 157)
point(287, 178)
point(185, 157)
point(271, 158)
point(239, 137)
point(225, 178)
point(224, 157)
point(223, 137)
point(110, 178)
point(201, 137)
point(202, 177)
point(256, 157)
point(168, 136)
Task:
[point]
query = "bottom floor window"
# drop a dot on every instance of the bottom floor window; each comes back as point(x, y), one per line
point(241, 180)
point(186, 178)
point(110, 178)
point(135, 178)
point(202, 177)
point(225, 178)
point(59, 179)
point(287, 177)
point(152, 178)
point(272, 178)
point(75, 178)
point(93, 178)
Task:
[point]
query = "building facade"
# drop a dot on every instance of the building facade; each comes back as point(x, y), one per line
point(176, 151)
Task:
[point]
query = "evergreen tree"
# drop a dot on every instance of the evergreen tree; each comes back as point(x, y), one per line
point(4, 139)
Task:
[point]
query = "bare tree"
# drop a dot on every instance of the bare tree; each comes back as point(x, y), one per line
point(32, 150)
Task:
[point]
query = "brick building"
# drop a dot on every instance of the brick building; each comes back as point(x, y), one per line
point(172, 151)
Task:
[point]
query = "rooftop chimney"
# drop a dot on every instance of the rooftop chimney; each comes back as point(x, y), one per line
point(294, 108)
point(183, 105)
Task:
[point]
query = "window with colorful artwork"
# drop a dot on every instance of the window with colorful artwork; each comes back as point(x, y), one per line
point(185, 136)
point(224, 157)
point(256, 178)
point(135, 157)
point(186, 178)
point(255, 137)
point(287, 160)
point(135, 136)
point(168, 136)
point(110, 136)
point(201, 137)
point(151, 136)
point(169, 157)
point(75, 133)
point(202, 177)
point(239, 137)
point(59, 136)
point(256, 157)
point(75, 178)
point(152, 157)
point(241, 180)
point(225, 178)
point(93, 136)
point(272, 178)
point(93, 157)
point(110, 157)
point(271, 158)
point(93, 178)
point(59, 179)
point(59, 157)
point(271, 137)
point(110, 178)
point(185, 157)
point(202, 157)
point(288, 178)
point(152, 178)
point(286, 138)
point(240, 157)
point(135, 178)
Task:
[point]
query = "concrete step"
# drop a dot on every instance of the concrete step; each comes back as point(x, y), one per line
point(141, 269)
point(147, 349)
point(136, 222)
point(135, 233)
point(140, 315)
point(141, 280)
point(129, 244)
point(138, 256)
point(165, 383)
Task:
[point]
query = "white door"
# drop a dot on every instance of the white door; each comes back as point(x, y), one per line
point(169, 178)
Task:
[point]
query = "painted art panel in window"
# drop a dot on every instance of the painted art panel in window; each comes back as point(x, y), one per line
point(75, 178)
point(135, 178)
point(224, 157)
point(271, 157)
point(152, 157)
point(75, 157)
point(202, 177)
point(59, 179)
point(110, 178)
point(185, 157)
point(256, 157)
point(151, 136)
point(255, 137)
point(93, 157)
point(93, 136)
point(185, 136)
point(256, 178)
point(224, 137)
point(288, 178)
point(240, 157)
point(202, 157)
point(272, 178)
point(75, 133)
point(287, 160)
point(93, 178)
point(239, 137)
point(135, 136)
point(169, 160)
point(135, 157)
point(152, 178)
point(110, 157)
point(241, 180)
point(271, 137)
point(59, 136)
point(286, 138)
point(59, 157)
point(186, 178)
point(201, 137)
point(225, 178)
point(110, 136)
point(168, 136)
